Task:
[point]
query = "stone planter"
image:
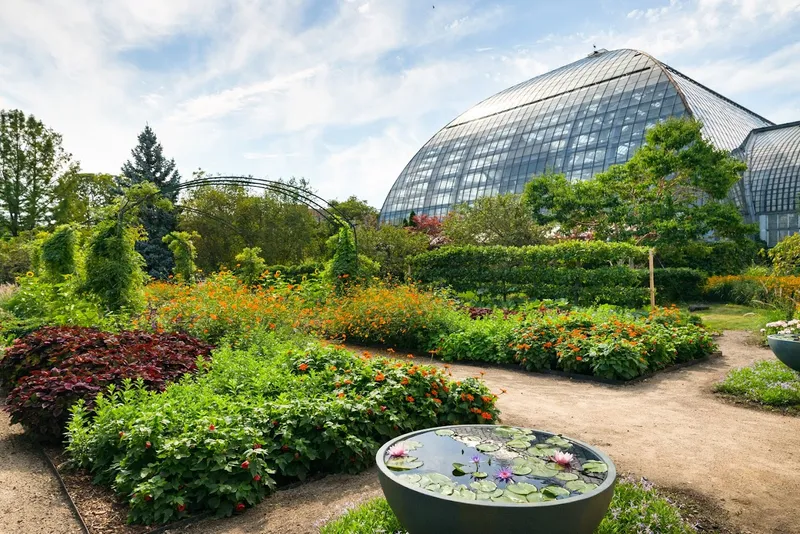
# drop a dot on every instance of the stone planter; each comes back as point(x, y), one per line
point(786, 349)
point(423, 511)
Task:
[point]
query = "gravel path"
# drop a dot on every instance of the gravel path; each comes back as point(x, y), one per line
point(31, 501)
point(670, 428)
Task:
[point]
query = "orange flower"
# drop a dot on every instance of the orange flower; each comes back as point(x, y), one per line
point(404, 381)
point(437, 401)
point(380, 377)
point(470, 398)
point(410, 398)
point(580, 359)
point(303, 366)
point(487, 416)
point(340, 395)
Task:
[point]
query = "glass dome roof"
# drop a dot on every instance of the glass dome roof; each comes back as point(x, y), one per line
point(578, 120)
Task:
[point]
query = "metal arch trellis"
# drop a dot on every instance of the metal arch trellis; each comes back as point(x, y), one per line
point(329, 212)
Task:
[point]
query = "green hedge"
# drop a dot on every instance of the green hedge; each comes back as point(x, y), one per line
point(585, 272)
point(678, 284)
point(295, 273)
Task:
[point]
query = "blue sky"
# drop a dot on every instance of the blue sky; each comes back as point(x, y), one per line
point(344, 92)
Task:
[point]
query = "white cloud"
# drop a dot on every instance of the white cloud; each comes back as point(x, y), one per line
point(345, 101)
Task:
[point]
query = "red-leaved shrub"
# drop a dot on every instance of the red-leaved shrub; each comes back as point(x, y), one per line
point(51, 368)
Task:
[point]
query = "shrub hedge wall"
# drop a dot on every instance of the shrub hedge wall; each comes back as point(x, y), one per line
point(585, 273)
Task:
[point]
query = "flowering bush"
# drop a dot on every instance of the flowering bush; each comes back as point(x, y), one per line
point(595, 341)
point(214, 441)
point(791, 328)
point(51, 369)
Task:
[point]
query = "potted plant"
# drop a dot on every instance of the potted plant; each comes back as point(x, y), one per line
point(483, 478)
point(783, 338)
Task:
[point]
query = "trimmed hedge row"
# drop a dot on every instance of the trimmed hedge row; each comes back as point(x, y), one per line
point(584, 272)
point(295, 273)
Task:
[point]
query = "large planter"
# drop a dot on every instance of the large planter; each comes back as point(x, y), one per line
point(786, 349)
point(423, 511)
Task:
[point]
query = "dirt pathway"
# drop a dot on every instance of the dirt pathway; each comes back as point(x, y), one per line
point(30, 498)
point(670, 429)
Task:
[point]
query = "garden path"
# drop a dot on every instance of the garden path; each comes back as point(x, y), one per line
point(31, 501)
point(671, 429)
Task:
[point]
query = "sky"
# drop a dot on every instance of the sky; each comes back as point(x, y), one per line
point(344, 92)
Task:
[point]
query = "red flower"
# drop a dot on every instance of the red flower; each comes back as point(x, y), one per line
point(239, 507)
point(303, 366)
point(212, 428)
point(181, 507)
point(147, 445)
point(256, 445)
point(245, 464)
point(383, 408)
point(121, 434)
point(257, 478)
point(284, 448)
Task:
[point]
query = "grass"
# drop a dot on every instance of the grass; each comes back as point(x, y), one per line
point(737, 317)
point(768, 383)
point(636, 507)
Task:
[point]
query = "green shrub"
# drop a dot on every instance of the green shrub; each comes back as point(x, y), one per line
point(676, 284)
point(183, 254)
point(768, 382)
point(58, 254)
point(636, 507)
point(16, 257)
point(715, 258)
point(785, 256)
point(585, 273)
point(296, 273)
point(213, 442)
point(250, 266)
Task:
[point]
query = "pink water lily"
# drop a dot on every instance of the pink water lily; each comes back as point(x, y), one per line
point(563, 458)
point(397, 451)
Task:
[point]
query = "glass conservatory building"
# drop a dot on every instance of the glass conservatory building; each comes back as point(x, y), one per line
point(582, 118)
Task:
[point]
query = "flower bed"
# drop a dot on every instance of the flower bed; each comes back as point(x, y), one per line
point(50, 369)
point(270, 414)
point(766, 383)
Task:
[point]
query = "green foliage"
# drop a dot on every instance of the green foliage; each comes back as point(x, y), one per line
point(213, 441)
point(713, 258)
point(672, 191)
point(769, 382)
point(493, 220)
point(603, 342)
point(114, 268)
point(250, 266)
point(81, 197)
point(343, 268)
point(372, 516)
point(32, 160)
point(16, 257)
point(356, 211)
point(636, 507)
point(59, 253)
point(184, 254)
point(295, 274)
point(229, 218)
point(675, 285)
point(584, 272)
point(149, 165)
point(785, 256)
point(391, 246)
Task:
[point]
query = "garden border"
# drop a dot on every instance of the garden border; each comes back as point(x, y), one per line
point(77, 514)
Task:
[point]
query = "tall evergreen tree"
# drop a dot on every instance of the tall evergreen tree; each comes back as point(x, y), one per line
point(150, 165)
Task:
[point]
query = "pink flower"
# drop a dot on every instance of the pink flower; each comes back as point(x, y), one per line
point(397, 451)
point(563, 458)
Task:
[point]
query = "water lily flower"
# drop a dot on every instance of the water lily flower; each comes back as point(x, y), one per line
point(505, 475)
point(562, 458)
point(476, 459)
point(397, 451)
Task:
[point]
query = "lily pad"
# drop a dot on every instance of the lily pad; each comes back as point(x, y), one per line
point(411, 445)
point(555, 491)
point(542, 471)
point(553, 465)
point(445, 432)
point(518, 444)
point(404, 463)
point(484, 485)
point(439, 478)
point(542, 451)
point(580, 486)
point(480, 474)
point(567, 476)
point(489, 447)
point(458, 469)
point(521, 470)
point(433, 487)
point(558, 441)
point(413, 479)
point(521, 488)
point(465, 494)
point(594, 466)
point(446, 490)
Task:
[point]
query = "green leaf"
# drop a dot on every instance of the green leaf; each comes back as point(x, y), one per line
point(444, 432)
point(580, 486)
point(484, 485)
point(559, 441)
point(555, 491)
point(594, 466)
point(567, 476)
point(521, 488)
point(489, 447)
